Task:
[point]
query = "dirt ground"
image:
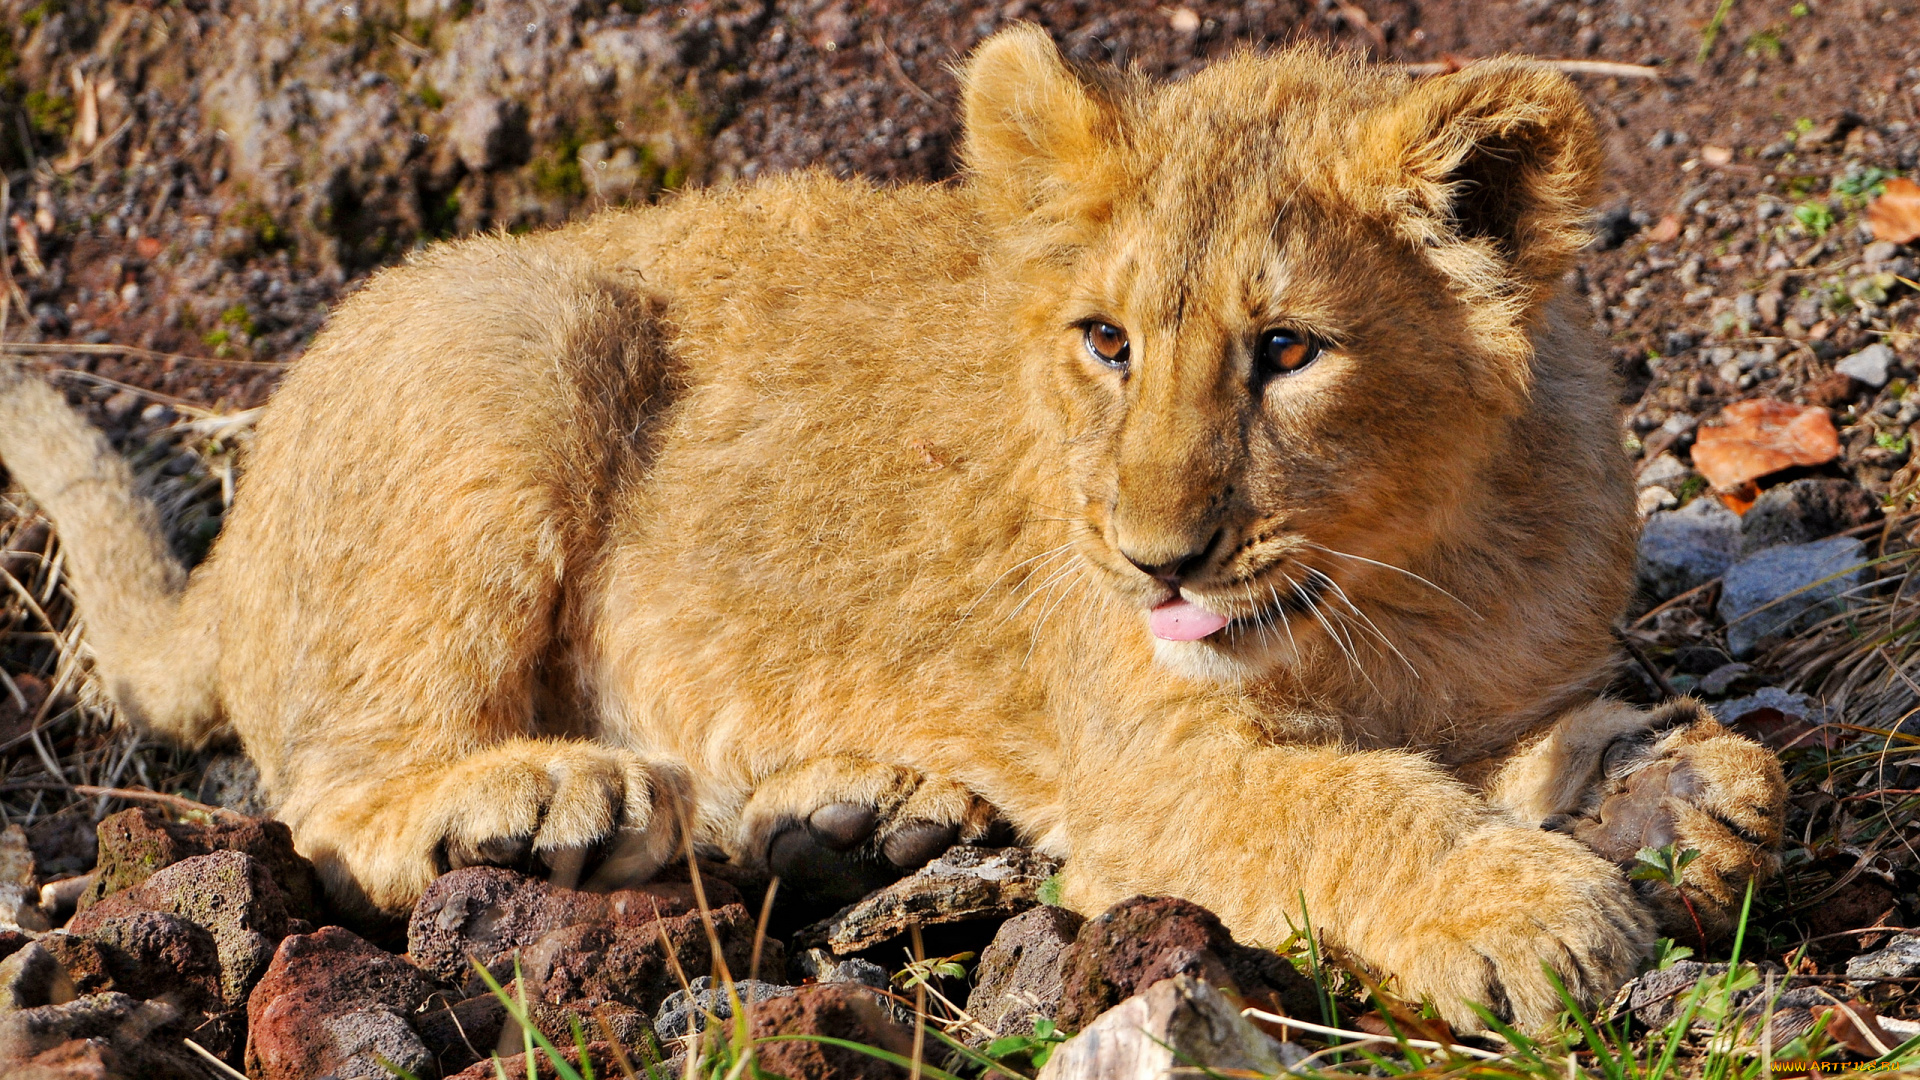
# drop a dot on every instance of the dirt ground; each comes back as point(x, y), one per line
point(191, 184)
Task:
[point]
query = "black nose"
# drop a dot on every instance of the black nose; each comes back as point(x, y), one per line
point(1177, 569)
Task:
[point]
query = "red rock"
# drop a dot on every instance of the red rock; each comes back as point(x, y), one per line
point(229, 894)
point(485, 912)
point(328, 999)
point(599, 1053)
point(135, 844)
point(1141, 941)
point(1755, 438)
point(837, 1011)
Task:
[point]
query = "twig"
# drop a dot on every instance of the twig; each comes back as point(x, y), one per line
point(1566, 67)
point(1362, 1036)
point(1646, 664)
point(1358, 16)
point(55, 348)
point(225, 1069)
point(174, 802)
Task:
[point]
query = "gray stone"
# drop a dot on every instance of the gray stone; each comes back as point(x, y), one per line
point(822, 966)
point(965, 883)
point(1665, 471)
point(1781, 590)
point(1686, 548)
point(686, 1011)
point(1175, 1022)
point(363, 1037)
point(1019, 973)
point(1808, 509)
point(33, 977)
point(1900, 959)
point(1869, 365)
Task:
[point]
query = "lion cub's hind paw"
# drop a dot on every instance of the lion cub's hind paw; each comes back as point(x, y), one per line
point(1691, 783)
point(837, 828)
point(586, 815)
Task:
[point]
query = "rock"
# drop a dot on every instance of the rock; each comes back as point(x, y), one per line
point(1653, 499)
point(485, 912)
point(295, 1028)
point(229, 894)
point(583, 967)
point(157, 955)
point(233, 781)
point(1179, 1021)
point(33, 977)
point(84, 960)
point(819, 965)
point(459, 1035)
point(135, 844)
point(1869, 365)
point(1759, 437)
point(1141, 941)
point(1771, 575)
point(490, 133)
point(1664, 470)
point(1899, 959)
point(1808, 509)
point(600, 1054)
point(685, 1011)
point(1019, 973)
point(12, 941)
point(965, 883)
point(100, 1037)
point(361, 1039)
point(1686, 548)
point(576, 950)
point(19, 892)
point(837, 1011)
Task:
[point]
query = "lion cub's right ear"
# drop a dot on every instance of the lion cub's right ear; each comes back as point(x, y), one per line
point(1038, 132)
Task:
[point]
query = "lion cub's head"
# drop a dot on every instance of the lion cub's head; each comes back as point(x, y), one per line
point(1286, 311)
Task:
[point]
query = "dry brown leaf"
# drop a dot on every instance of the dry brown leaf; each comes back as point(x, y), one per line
point(1895, 215)
point(1856, 1027)
point(1752, 439)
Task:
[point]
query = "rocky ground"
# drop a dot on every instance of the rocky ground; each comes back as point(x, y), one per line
point(189, 186)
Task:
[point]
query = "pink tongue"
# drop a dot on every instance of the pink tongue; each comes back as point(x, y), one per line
point(1178, 620)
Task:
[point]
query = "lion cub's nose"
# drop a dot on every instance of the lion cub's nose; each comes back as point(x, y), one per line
point(1171, 572)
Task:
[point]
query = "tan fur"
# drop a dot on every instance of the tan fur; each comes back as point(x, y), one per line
point(808, 491)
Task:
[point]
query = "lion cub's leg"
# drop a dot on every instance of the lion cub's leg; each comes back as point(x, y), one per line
point(838, 827)
point(1620, 779)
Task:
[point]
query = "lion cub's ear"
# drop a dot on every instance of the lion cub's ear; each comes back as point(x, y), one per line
point(1037, 131)
point(1500, 163)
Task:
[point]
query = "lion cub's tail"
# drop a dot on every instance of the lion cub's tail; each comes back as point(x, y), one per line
point(155, 654)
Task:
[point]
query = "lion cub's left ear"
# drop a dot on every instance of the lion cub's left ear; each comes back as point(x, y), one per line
point(1498, 166)
point(1039, 130)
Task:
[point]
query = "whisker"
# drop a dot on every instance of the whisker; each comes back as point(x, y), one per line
point(984, 593)
point(1355, 608)
point(1040, 589)
point(1033, 637)
point(1398, 570)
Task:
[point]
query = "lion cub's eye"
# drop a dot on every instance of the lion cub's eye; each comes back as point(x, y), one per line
point(1108, 344)
point(1283, 352)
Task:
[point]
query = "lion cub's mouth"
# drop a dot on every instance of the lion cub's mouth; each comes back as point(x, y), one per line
point(1180, 619)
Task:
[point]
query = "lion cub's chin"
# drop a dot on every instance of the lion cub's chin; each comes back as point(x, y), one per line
point(1234, 655)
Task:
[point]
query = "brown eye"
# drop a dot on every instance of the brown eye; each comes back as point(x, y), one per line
point(1108, 344)
point(1283, 352)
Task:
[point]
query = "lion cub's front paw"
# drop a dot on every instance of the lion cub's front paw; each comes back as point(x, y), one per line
point(1691, 783)
point(838, 827)
point(1507, 906)
point(577, 810)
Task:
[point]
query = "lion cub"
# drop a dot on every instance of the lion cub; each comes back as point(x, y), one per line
point(1209, 483)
